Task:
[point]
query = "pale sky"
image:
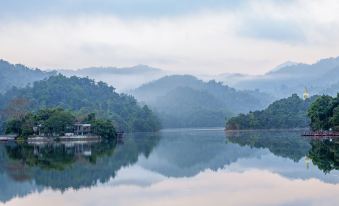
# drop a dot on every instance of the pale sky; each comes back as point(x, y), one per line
point(185, 36)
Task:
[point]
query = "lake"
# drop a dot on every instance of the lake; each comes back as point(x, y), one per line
point(174, 167)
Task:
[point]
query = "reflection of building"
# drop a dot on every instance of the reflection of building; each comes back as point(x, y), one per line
point(307, 162)
point(71, 130)
point(82, 129)
point(306, 95)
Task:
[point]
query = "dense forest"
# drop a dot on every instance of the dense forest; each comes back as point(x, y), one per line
point(286, 113)
point(185, 101)
point(83, 96)
point(19, 75)
point(324, 113)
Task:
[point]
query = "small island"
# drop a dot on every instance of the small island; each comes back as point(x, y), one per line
point(59, 124)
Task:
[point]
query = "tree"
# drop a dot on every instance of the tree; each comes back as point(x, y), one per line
point(319, 113)
point(58, 122)
point(324, 113)
point(335, 118)
point(104, 128)
point(13, 126)
point(27, 125)
point(17, 108)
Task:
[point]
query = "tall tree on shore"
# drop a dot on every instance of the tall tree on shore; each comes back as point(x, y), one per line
point(324, 113)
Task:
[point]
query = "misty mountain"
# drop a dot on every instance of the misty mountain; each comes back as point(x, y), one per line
point(185, 101)
point(293, 78)
point(332, 90)
point(83, 96)
point(121, 78)
point(19, 75)
point(187, 107)
point(283, 65)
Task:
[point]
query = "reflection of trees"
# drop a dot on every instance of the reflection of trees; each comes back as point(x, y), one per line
point(75, 166)
point(287, 144)
point(325, 154)
point(46, 157)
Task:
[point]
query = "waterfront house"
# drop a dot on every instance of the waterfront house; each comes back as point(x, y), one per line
point(82, 129)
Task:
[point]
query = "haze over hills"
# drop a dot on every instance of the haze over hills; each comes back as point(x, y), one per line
point(19, 75)
point(122, 79)
point(185, 101)
point(283, 80)
point(320, 77)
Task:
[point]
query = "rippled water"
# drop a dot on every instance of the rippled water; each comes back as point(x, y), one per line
point(174, 167)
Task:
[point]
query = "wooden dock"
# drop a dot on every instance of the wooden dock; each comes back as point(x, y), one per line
point(321, 134)
point(39, 139)
point(5, 138)
point(79, 138)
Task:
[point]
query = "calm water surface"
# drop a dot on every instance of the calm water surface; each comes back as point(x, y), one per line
point(174, 167)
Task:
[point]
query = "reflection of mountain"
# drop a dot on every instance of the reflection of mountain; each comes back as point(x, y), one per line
point(74, 166)
point(145, 159)
point(186, 153)
point(12, 188)
point(325, 154)
point(285, 144)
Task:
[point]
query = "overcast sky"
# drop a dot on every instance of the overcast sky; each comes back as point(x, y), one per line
point(186, 36)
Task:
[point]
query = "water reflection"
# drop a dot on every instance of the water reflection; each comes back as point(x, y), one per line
point(67, 165)
point(173, 167)
point(281, 143)
point(325, 154)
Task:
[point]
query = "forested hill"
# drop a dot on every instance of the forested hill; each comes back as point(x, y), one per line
point(286, 113)
point(84, 96)
point(19, 75)
point(185, 101)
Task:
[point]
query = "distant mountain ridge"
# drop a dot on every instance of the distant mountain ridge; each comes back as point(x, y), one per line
point(291, 78)
point(283, 65)
point(319, 68)
point(19, 75)
point(137, 69)
point(123, 79)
